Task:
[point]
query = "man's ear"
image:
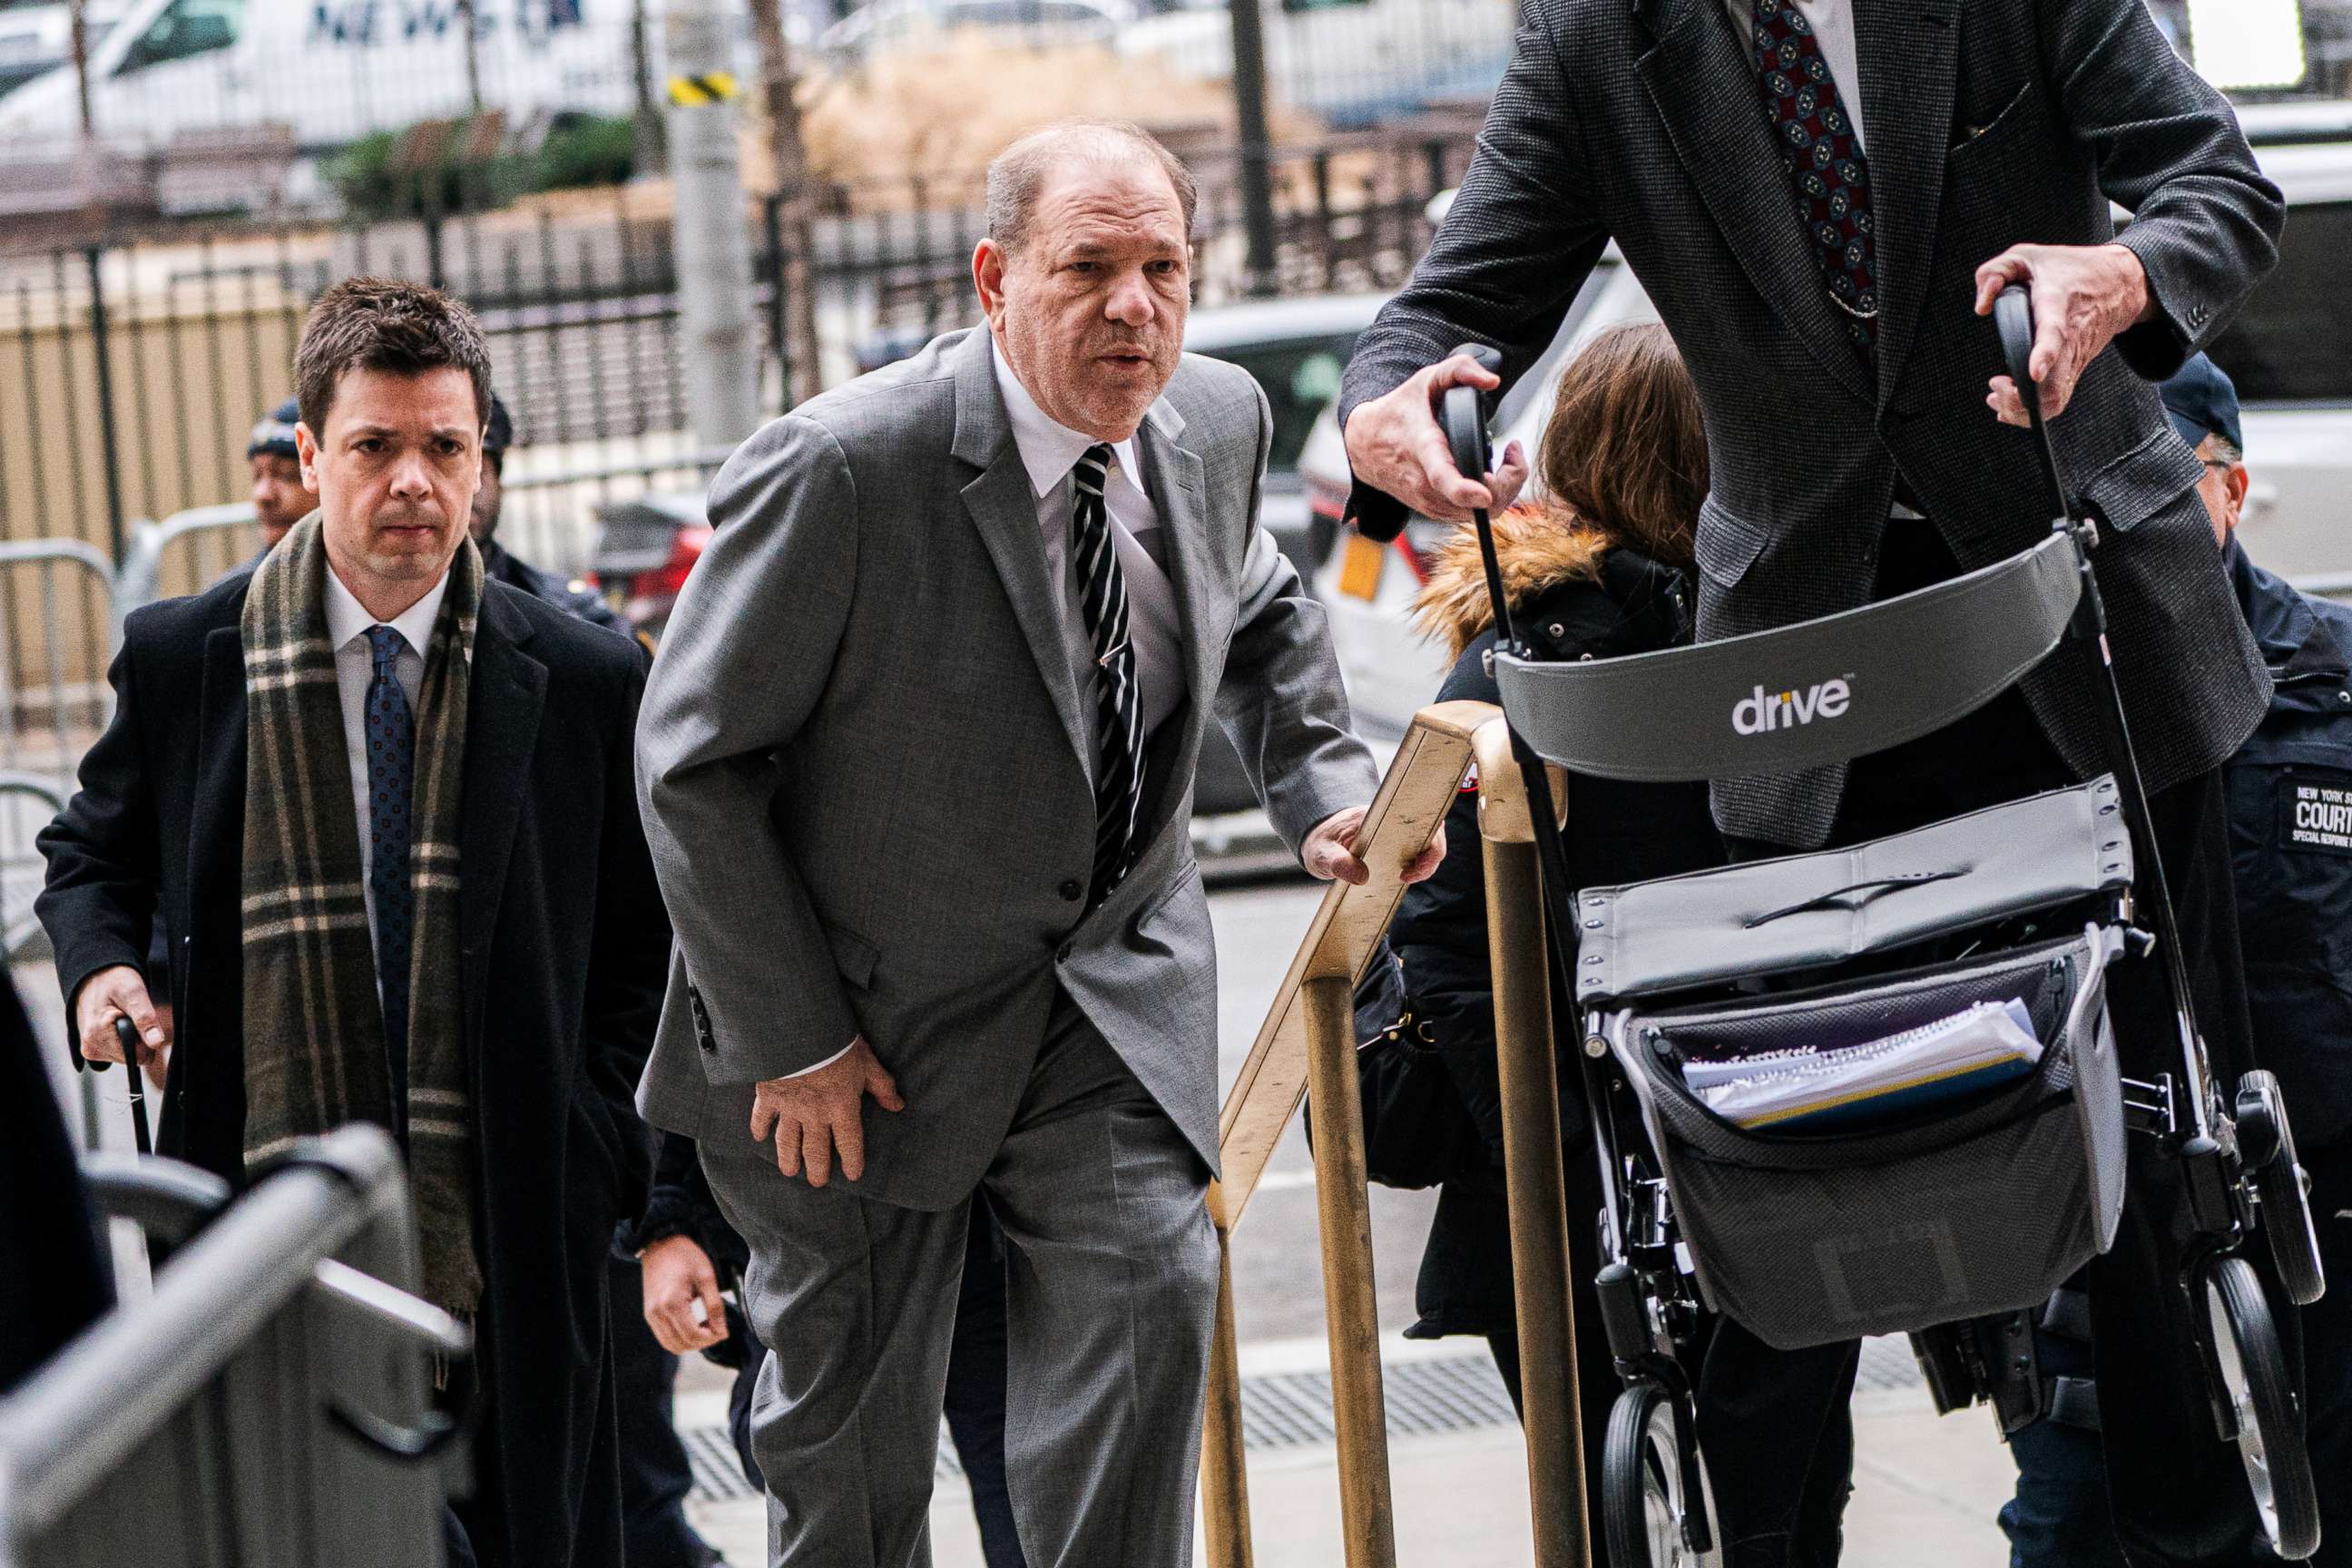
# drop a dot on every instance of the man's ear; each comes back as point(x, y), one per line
point(306, 452)
point(2235, 484)
point(988, 278)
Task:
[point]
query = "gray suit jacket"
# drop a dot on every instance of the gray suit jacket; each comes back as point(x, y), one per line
point(864, 771)
point(1989, 122)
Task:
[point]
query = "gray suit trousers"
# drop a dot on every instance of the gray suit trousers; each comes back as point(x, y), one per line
point(1111, 1278)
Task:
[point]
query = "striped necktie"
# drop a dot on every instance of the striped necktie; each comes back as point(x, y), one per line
point(1118, 706)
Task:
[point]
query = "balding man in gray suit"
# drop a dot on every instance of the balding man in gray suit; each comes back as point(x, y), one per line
point(915, 762)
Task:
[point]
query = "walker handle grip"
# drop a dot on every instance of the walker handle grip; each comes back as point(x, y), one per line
point(1463, 416)
point(2013, 316)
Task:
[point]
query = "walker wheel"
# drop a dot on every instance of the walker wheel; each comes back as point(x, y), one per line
point(2281, 1186)
point(1648, 1513)
point(2262, 1406)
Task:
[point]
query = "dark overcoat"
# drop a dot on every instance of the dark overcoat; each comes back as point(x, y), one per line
point(563, 955)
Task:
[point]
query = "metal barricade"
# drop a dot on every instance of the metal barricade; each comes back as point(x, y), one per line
point(186, 553)
point(57, 611)
point(268, 1407)
point(28, 803)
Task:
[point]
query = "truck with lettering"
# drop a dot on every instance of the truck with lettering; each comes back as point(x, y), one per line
point(331, 72)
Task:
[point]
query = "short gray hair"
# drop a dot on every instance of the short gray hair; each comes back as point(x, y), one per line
point(2225, 450)
point(1017, 176)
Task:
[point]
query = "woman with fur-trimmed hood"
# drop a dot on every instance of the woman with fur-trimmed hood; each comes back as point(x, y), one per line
point(1596, 568)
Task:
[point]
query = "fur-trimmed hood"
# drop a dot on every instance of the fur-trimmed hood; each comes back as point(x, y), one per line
point(1542, 552)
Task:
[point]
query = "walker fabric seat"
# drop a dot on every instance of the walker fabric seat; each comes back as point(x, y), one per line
point(1775, 917)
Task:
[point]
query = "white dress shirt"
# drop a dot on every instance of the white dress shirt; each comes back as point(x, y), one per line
point(1049, 451)
point(1833, 25)
point(347, 628)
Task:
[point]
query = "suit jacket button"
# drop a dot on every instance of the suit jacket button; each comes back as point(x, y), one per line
point(1063, 954)
point(1071, 889)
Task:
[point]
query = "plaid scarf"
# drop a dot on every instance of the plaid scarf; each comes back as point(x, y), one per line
point(314, 1040)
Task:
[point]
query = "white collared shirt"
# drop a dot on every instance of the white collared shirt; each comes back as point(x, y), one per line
point(1049, 451)
point(1833, 25)
point(347, 628)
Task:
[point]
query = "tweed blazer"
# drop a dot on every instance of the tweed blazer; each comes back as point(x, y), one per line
point(1989, 122)
point(866, 771)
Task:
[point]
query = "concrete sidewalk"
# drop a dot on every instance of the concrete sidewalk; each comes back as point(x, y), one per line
point(1926, 1491)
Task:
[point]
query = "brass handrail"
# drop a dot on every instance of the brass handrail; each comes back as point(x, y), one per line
point(1307, 1048)
point(1307, 1043)
point(1534, 1179)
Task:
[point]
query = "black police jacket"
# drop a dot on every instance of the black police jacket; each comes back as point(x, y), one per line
point(2289, 791)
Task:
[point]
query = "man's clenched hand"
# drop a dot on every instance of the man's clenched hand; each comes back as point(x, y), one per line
point(1395, 445)
point(678, 1275)
point(121, 992)
point(821, 1114)
point(2084, 296)
point(1329, 851)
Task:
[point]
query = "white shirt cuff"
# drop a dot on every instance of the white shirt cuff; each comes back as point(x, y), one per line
point(826, 1063)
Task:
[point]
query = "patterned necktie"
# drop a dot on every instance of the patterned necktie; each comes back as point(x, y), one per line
point(1118, 706)
point(392, 777)
point(1825, 161)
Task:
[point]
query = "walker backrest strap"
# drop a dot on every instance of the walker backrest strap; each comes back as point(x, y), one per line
point(1820, 691)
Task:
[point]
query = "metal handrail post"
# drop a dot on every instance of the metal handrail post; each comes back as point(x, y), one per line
point(1343, 1210)
point(1225, 1470)
point(1533, 1173)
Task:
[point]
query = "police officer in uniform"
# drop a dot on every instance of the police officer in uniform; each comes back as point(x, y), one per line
point(2289, 790)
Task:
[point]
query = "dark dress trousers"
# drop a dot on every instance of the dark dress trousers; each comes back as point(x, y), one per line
point(563, 944)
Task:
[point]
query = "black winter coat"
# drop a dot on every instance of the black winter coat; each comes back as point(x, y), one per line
point(564, 950)
point(2290, 790)
point(1617, 833)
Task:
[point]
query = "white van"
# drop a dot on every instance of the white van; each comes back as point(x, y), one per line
point(36, 36)
point(331, 70)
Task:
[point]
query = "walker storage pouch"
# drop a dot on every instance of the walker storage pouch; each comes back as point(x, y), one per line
point(1961, 1206)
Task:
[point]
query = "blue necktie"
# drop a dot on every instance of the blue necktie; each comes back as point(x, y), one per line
point(392, 777)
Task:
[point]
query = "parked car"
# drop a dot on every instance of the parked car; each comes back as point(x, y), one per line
point(1368, 589)
point(2290, 348)
point(2289, 351)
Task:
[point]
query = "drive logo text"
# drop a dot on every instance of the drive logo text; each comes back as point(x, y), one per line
point(1764, 712)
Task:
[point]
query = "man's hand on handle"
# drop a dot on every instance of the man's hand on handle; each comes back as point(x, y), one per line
point(2084, 297)
point(678, 1275)
point(121, 992)
point(1395, 445)
point(821, 1114)
point(1329, 851)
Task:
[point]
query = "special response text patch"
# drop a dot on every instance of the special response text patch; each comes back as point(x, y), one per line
point(2314, 815)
